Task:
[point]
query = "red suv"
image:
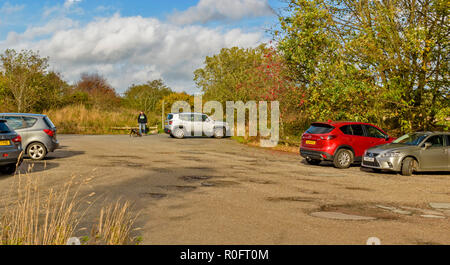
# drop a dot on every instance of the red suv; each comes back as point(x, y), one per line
point(341, 142)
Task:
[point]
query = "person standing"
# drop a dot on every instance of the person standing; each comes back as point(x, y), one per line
point(142, 120)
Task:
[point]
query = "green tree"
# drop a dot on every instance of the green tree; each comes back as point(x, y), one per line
point(222, 76)
point(23, 76)
point(383, 61)
point(146, 97)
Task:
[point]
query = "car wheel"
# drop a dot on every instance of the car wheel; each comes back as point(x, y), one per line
point(178, 133)
point(37, 151)
point(9, 169)
point(343, 159)
point(408, 166)
point(171, 136)
point(219, 133)
point(314, 162)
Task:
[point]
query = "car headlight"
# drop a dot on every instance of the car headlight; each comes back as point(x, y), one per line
point(391, 154)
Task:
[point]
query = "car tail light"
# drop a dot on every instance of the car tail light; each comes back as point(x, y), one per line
point(18, 139)
point(5, 155)
point(329, 137)
point(170, 122)
point(50, 133)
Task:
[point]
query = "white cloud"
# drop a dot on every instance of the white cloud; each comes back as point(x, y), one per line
point(129, 50)
point(8, 9)
point(69, 3)
point(215, 10)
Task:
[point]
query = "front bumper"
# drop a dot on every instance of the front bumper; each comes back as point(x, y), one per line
point(317, 155)
point(385, 163)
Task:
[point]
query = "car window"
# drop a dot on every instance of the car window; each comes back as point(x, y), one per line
point(448, 140)
point(49, 122)
point(15, 123)
point(320, 129)
point(29, 121)
point(374, 132)
point(357, 130)
point(4, 128)
point(185, 117)
point(204, 117)
point(436, 141)
point(347, 130)
point(198, 117)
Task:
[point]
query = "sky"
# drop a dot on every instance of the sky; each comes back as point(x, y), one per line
point(134, 41)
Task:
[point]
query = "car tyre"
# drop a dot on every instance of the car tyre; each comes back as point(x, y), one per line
point(178, 133)
point(219, 133)
point(408, 166)
point(343, 159)
point(9, 169)
point(313, 162)
point(36, 151)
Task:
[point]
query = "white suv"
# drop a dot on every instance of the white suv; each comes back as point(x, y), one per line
point(179, 125)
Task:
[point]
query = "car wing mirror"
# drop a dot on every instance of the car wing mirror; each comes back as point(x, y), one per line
point(427, 145)
point(386, 137)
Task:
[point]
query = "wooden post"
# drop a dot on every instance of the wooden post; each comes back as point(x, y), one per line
point(163, 118)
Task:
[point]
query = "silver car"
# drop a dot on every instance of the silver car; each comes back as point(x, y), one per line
point(180, 125)
point(10, 149)
point(421, 151)
point(37, 131)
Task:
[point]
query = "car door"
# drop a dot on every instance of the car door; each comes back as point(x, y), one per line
point(198, 124)
point(360, 141)
point(374, 136)
point(187, 123)
point(435, 157)
point(208, 125)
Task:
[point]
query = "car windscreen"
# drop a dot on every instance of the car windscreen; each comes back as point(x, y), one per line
point(318, 128)
point(411, 139)
point(4, 128)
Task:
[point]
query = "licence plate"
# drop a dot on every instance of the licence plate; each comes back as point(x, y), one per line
point(5, 143)
point(311, 142)
point(369, 159)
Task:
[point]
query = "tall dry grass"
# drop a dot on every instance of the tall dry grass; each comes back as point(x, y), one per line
point(30, 216)
point(78, 119)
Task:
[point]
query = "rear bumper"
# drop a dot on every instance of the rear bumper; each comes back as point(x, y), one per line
point(167, 130)
point(314, 154)
point(12, 158)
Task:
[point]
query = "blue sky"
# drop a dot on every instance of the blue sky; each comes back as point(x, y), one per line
point(134, 41)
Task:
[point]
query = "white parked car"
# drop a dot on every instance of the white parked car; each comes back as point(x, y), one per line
point(180, 125)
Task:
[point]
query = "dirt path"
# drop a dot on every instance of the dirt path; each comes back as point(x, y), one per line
point(207, 191)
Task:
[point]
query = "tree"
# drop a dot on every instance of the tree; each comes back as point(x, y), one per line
point(146, 97)
point(388, 58)
point(23, 76)
point(222, 77)
point(100, 93)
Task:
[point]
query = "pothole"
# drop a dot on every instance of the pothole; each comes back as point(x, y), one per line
point(219, 183)
point(153, 195)
point(291, 199)
point(178, 188)
point(262, 182)
point(358, 189)
point(195, 178)
point(364, 210)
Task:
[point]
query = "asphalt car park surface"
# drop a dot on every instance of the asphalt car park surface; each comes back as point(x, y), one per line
point(209, 191)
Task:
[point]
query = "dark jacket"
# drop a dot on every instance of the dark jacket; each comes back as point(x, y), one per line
point(142, 118)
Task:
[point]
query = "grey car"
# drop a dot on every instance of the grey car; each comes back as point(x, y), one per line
point(10, 149)
point(37, 131)
point(421, 151)
point(179, 125)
